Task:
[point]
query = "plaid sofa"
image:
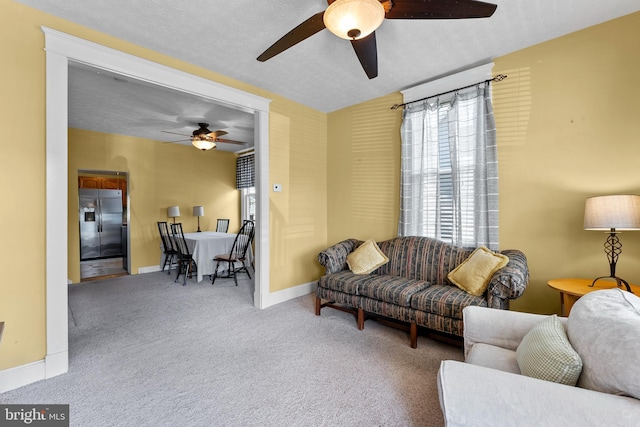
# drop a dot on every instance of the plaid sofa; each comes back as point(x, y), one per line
point(412, 287)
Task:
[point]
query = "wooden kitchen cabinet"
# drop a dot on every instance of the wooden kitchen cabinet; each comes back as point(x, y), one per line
point(111, 183)
point(89, 182)
point(104, 183)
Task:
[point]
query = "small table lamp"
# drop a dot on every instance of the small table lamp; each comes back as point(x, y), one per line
point(198, 211)
point(173, 212)
point(612, 214)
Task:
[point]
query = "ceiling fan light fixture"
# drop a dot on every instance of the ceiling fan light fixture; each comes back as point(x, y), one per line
point(203, 143)
point(353, 19)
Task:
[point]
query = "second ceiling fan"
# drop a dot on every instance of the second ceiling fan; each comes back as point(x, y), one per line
point(357, 20)
point(204, 139)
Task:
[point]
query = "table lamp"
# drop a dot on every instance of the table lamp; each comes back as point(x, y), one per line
point(173, 212)
point(612, 214)
point(198, 211)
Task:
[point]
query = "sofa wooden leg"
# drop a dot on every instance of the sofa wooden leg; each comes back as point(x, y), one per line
point(360, 319)
point(318, 305)
point(413, 331)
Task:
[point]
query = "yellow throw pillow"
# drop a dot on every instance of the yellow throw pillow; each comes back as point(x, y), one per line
point(366, 258)
point(474, 274)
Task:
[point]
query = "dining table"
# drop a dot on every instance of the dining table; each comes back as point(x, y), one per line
point(205, 245)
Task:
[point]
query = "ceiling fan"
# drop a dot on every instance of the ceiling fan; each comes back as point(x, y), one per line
point(204, 139)
point(357, 20)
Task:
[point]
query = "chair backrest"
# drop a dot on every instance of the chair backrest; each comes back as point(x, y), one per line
point(179, 240)
point(223, 225)
point(167, 242)
point(243, 239)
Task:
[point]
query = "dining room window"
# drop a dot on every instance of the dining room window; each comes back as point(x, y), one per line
point(248, 203)
point(245, 182)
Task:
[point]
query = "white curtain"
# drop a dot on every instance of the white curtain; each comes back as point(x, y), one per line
point(449, 182)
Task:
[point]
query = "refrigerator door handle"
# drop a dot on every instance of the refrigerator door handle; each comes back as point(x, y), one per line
point(99, 215)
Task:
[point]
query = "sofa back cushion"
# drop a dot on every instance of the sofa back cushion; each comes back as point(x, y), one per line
point(604, 328)
point(421, 258)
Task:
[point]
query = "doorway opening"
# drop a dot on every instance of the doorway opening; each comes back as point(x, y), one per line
point(61, 49)
point(103, 220)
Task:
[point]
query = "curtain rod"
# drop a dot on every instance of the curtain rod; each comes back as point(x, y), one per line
point(497, 78)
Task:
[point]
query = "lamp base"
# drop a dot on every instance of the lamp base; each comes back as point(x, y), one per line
point(619, 282)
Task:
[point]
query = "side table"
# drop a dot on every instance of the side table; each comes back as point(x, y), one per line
point(572, 289)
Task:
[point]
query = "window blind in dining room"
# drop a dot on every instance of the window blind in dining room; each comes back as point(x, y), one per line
point(245, 171)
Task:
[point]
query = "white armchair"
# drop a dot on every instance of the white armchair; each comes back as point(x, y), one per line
point(488, 389)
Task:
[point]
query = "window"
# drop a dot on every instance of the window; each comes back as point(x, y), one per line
point(248, 203)
point(449, 170)
point(245, 182)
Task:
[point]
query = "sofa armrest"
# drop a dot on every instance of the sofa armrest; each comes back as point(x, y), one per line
point(473, 395)
point(510, 281)
point(501, 328)
point(334, 258)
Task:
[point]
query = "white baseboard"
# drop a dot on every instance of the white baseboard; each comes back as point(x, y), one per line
point(278, 297)
point(149, 269)
point(57, 364)
point(17, 377)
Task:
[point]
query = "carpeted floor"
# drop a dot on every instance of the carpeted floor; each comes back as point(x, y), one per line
point(145, 351)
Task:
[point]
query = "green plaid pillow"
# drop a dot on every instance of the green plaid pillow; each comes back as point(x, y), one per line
point(545, 353)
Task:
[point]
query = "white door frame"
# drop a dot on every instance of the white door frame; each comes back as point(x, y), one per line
point(61, 49)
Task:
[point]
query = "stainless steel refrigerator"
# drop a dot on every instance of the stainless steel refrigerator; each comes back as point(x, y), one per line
point(100, 223)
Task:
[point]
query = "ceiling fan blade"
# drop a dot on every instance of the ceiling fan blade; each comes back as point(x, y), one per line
point(295, 36)
point(230, 141)
point(367, 53)
point(173, 133)
point(217, 133)
point(440, 9)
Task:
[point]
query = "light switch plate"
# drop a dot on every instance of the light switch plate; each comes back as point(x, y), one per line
point(277, 188)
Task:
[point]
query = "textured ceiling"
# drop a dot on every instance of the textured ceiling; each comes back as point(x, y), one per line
point(321, 72)
point(104, 102)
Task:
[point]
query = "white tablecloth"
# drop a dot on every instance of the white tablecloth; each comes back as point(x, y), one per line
point(206, 245)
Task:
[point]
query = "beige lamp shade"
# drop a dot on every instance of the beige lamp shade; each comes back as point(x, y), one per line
point(173, 211)
point(198, 211)
point(619, 212)
point(353, 19)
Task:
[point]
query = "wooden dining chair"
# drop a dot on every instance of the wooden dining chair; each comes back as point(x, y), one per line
point(238, 253)
point(223, 225)
point(170, 252)
point(186, 264)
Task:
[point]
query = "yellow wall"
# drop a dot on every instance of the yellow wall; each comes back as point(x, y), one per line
point(297, 135)
point(567, 131)
point(568, 128)
point(298, 214)
point(160, 175)
point(363, 152)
